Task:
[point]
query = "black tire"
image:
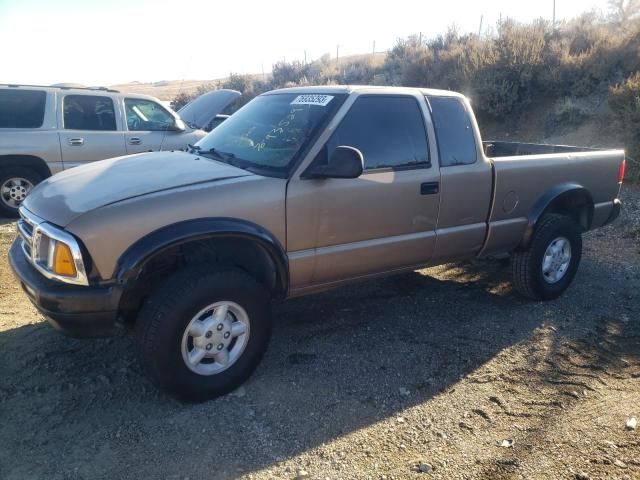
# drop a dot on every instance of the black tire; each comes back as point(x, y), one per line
point(14, 171)
point(526, 266)
point(166, 314)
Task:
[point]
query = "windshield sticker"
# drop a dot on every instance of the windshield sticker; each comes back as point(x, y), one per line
point(321, 100)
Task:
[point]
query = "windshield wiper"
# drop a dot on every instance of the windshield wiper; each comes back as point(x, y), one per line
point(226, 157)
point(219, 154)
point(194, 148)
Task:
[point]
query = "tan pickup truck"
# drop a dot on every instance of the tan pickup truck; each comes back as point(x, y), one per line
point(301, 190)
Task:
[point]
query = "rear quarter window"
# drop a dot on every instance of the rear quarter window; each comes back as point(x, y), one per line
point(89, 112)
point(22, 108)
point(456, 140)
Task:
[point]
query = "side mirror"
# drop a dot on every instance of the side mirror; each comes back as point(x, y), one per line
point(344, 162)
point(179, 125)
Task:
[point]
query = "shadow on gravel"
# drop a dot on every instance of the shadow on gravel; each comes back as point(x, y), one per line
point(338, 361)
point(572, 364)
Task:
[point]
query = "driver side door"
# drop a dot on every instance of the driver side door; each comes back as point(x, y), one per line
point(339, 229)
point(150, 127)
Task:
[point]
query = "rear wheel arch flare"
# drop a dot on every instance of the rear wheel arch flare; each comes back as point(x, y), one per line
point(570, 199)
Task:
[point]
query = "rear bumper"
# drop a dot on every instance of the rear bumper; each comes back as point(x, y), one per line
point(615, 211)
point(77, 311)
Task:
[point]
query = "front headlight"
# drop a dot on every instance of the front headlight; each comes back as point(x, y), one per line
point(55, 253)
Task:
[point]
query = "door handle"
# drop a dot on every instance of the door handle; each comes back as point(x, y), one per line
point(135, 141)
point(429, 188)
point(76, 142)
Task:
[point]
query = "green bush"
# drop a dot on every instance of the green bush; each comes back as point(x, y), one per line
point(571, 111)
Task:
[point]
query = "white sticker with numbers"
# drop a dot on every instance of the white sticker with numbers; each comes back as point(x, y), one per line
point(312, 99)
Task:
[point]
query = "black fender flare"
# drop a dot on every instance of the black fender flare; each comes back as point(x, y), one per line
point(133, 260)
point(546, 199)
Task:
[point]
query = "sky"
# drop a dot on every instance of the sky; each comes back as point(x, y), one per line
point(108, 42)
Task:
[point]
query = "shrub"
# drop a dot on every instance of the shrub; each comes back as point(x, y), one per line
point(571, 111)
point(181, 100)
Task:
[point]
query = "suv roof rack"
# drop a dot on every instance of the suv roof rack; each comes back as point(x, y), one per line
point(61, 86)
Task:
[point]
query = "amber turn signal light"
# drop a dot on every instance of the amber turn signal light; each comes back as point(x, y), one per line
point(63, 263)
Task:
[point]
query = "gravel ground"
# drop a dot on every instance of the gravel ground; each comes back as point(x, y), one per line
point(440, 373)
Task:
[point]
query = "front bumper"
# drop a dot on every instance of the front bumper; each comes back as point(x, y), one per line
point(77, 311)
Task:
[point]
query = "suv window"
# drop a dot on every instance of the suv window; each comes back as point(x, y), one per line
point(147, 115)
point(388, 130)
point(89, 112)
point(21, 108)
point(456, 141)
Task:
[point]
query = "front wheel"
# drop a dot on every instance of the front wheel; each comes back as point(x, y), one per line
point(204, 332)
point(546, 269)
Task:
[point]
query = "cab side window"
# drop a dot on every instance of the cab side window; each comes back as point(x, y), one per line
point(147, 115)
point(89, 112)
point(388, 130)
point(456, 140)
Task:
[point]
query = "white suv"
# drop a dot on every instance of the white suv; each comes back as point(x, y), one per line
point(44, 130)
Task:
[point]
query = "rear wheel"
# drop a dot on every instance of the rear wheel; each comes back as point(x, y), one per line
point(204, 332)
point(546, 269)
point(15, 184)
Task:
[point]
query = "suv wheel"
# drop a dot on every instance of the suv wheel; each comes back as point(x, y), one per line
point(204, 332)
point(15, 185)
point(547, 268)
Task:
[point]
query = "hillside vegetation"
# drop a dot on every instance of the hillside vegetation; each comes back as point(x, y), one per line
point(540, 80)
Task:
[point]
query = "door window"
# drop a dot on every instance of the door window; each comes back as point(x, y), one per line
point(147, 115)
point(388, 130)
point(456, 141)
point(88, 112)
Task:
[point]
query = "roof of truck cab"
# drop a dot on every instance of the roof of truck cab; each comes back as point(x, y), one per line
point(328, 89)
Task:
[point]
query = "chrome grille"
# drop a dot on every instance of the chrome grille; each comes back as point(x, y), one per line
point(25, 230)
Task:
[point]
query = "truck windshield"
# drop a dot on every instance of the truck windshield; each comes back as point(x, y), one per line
point(267, 135)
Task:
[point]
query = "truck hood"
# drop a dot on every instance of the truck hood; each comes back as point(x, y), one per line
point(69, 194)
point(201, 111)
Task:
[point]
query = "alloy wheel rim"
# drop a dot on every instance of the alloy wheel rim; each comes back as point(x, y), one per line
point(556, 260)
point(14, 190)
point(215, 338)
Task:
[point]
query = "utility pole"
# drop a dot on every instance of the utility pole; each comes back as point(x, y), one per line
point(420, 39)
point(305, 57)
point(373, 52)
point(264, 78)
point(480, 28)
point(553, 22)
point(337, 54)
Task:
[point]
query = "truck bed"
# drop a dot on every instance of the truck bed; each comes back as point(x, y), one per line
point(526, 173)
